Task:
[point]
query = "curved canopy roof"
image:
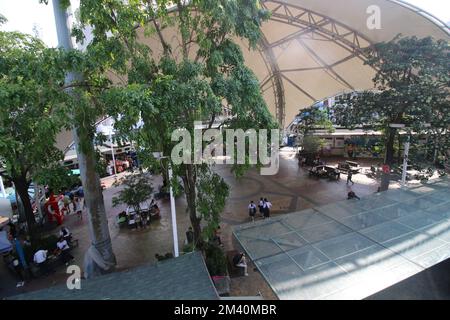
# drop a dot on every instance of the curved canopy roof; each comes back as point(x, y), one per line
point(311, 49)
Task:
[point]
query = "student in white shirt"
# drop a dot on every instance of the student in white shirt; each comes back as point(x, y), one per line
point(63, 249)
point(252, 210)
point(240, 261)
point(65, 233)
point(40, 258)
point(266, 208)
point(77, 207)
point(261, 207)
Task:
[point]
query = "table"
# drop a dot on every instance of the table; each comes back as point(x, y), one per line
point(3, 221)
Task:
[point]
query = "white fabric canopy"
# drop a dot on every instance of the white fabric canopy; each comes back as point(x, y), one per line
point(311, 48)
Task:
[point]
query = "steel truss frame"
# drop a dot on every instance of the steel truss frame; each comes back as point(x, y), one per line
point(310, 24)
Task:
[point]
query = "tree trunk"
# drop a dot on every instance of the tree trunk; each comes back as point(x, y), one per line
point(389, 159)
point(93, 197)
point(189, 187)
point(21, 184)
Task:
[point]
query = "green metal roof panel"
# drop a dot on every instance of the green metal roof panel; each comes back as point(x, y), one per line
point(182, 278)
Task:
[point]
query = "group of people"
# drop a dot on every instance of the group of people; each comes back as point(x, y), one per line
point(264, 207)
point(139, 219)
point(128, 164)
point(62, 250)
point(65, 203)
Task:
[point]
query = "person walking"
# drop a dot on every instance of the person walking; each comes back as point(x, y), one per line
point(190, 236)
point(19, 272)
point(261, 207)
point(349, 177)
point(252, 210)
point(266, 208)
point(78, 208)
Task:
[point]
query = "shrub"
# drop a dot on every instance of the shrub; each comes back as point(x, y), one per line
point(216, 261)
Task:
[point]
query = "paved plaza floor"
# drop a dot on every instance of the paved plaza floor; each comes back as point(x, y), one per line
point(290, 190)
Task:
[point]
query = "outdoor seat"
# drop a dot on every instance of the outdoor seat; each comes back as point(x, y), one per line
point(232, 269)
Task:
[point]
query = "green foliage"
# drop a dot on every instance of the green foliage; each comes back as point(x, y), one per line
point(216, 261)
point(57, 177)
point(212, 192)
point(312, 144)
point(193, 82)
point(137, 189)
point(314, 118)
point(32, 103)
point(33, 108)
point(412, 88)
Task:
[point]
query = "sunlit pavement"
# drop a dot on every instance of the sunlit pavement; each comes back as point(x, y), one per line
point(289, 191)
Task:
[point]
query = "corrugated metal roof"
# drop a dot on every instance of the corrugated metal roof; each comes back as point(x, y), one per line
point(182, 278)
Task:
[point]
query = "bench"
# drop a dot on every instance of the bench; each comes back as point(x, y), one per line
point(232, 269)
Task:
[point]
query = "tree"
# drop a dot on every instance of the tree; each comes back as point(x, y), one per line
point(312, 144)
point(32, 110)
point(171, 92)
point(57, 178)
point(137, 189)
point(412, 88)
point(85, 78)
point(313, 118)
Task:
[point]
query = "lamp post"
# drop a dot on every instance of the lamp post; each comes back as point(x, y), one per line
point(173, 212)
point(112, 152)
point(405, 160)
point(406, 151)
point(2, 187)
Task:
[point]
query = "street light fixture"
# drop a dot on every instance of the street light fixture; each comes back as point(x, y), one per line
point(112, 152)
point(2, 187)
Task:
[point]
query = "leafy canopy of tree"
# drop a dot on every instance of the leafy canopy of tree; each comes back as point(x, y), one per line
point(194, 81)
point(57, 177)
point(312, 144)
point(313, 118)
point(412, 88)
point(32, 109)
point(137, 189)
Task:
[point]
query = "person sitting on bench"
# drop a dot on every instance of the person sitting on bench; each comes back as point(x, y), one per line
point(65, 233)
point(63, 248)
point(240, 262)
point(40, 258)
